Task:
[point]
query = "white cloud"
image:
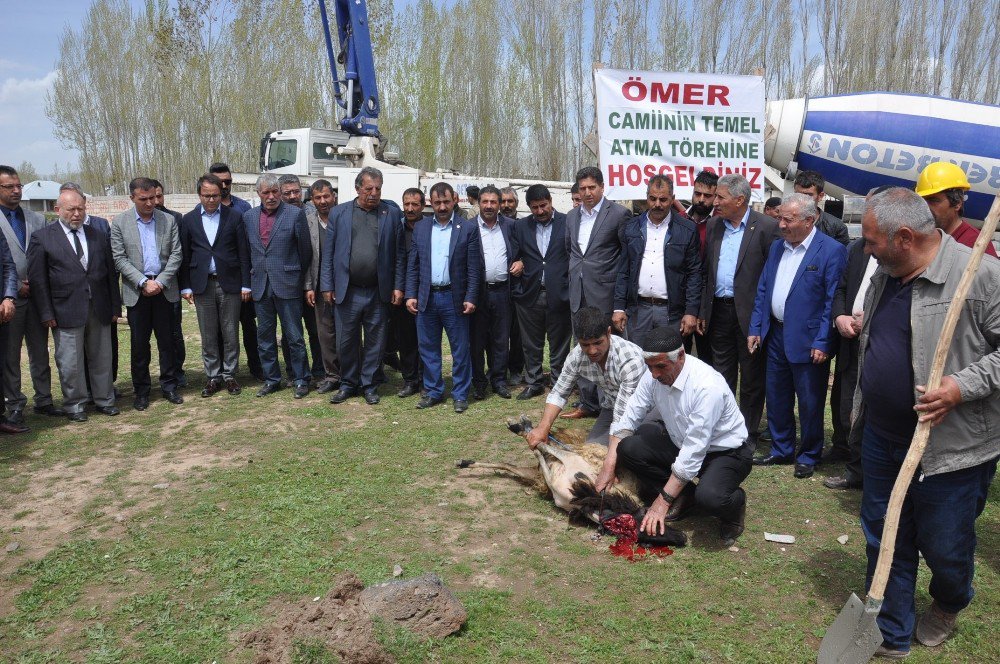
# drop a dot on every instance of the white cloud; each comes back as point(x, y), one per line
point(10, 65)
point(26, 90)
point(27, 131)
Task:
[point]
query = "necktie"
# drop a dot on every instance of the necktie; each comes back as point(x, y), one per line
point(18, 226)
point(76, 242)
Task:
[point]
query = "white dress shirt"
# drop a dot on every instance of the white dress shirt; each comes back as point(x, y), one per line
point(72, 245)
point(858, 307)
point(652, 275)
point(587, 220)
point(494, 251)
point(791, 258)
point(698, 410)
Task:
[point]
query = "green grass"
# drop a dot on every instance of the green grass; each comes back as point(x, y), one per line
point(310, 490)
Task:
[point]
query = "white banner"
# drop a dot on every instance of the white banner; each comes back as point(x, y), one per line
point(678, 125)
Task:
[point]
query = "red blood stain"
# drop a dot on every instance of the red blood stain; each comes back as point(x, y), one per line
point(624, 527)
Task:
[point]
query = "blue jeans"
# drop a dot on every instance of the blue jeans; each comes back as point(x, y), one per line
point(938, 519)
point(440, 314)
point(270, 309)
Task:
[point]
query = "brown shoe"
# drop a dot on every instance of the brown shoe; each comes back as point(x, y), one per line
point(577, 414)
point(7, 427)
point(232, 386)
point(211, 387)
point(935, 626)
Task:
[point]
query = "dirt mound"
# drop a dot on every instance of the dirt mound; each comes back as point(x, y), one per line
point(338, 622)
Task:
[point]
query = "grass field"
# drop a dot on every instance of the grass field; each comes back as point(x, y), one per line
point(162, 536)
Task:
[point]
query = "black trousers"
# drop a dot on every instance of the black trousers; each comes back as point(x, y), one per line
point(248, 323)
point(403, 332)
point(848, 383)
point(740, 368)
point(841, 426)
point(315, 359)
point(649, 453)
point(152, 316)
point(491, 336)
point(180, 352)
point(538, 322)
point(515, 358)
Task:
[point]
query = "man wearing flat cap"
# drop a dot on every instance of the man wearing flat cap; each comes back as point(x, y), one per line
point(703, 455)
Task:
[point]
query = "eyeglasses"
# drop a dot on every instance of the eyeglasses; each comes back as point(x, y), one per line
point(210, 197)
point(11, 187)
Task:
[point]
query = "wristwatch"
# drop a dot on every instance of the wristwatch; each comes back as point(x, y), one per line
point(667, 497)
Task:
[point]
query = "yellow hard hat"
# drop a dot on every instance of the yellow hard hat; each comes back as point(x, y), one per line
point(939, 176)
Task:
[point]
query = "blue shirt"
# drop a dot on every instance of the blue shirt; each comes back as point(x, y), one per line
point(210, 222)
point(147, 237)
point(729, 252)
point(16, 219)
point(239, 204)
point(543, 235)
point(441, 251)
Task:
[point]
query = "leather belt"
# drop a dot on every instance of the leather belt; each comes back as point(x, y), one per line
point(655, 301)
point(726, 300)
point(439, 289)
point(496, 284)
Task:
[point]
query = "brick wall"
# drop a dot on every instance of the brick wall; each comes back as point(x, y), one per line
point(109, 206)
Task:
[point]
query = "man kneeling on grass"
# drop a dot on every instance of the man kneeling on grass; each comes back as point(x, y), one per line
point(613, 364)
point(705, 438)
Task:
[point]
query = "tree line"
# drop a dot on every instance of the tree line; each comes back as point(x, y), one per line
point(492, 89)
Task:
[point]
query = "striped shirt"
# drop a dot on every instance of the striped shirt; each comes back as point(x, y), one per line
point(618, 380)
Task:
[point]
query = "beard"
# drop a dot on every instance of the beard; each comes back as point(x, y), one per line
point(701, 209)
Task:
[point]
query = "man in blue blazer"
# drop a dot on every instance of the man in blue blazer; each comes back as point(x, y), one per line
point(361, 275)
point(215, 277)
point(443, 280)
point(792, 315)
point(280, 251)
point(659, 282)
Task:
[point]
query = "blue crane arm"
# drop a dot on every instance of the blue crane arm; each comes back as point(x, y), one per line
point(357, 91)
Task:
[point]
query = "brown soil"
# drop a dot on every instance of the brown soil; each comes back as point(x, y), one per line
point(337, 621)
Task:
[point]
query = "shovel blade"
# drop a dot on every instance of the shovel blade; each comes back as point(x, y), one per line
point(853, 637)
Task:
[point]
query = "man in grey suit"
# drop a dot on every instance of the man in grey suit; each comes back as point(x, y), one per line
point(737, 242)
point(146, 247)
point(75, 289)
point(280, 254)
point(594, 238)
point(18, 225)
point(324, 198)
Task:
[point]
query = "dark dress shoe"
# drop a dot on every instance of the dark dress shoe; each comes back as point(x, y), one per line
point(682, 505)
point(15, 417)
point(731, 530)
point(78, 416)
point(804, 470)
point(301, 391)
point(50, 410)
point(108, 410)
point(211, 387)
point(140, 403)
point(342, 395)
point(269, 388)
point(461, 406)
point(478, 393)
point(173, 397)
point(232, 386)
point(577, 414)
point(371, 397)
point(530, 392)
point(429, 401)
point(326, 386)
point(501, 391)
point(771, 460)
point(841, 482)
point(837, 455)
point(10, 427)
point(409, 389)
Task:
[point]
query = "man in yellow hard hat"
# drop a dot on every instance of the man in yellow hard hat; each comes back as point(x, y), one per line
point(943, 185)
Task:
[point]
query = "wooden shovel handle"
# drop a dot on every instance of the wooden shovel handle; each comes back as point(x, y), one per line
point(923, 431)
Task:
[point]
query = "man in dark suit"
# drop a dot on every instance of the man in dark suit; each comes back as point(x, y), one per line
point(659, 281)
point(147, 251)
point(361, 276)
point(9, 285)
point(18, 225)
point(443, 280)
point(539, 288)
point(402, 323)
point(491, 322)
point(176, 332)
point(215, 277)
point(75, 289)
point(594, 237)
point(280, 252)
point(323, 198)
point(792, 315)
point(737, 242)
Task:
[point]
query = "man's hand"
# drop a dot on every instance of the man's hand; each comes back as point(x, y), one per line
point(411, 305)
point(245, 295)
point(397, 298)
point(845, 325)
point(934, 405)
point(689, 324)
point(24, 290)
point(753, 343)
point(7, 310)
point(653, 523)
point(818, 356)
point(468, 308)
point(49, 323)
point(702, 326)
point(188, 297)
point(311, 298)
point(618, 319)
point(536, 436)
point(607, 477)
point(328, 297)
point(517, 268)
point(151, 288)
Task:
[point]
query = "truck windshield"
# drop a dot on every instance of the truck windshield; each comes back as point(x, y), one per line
point(281, 153)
